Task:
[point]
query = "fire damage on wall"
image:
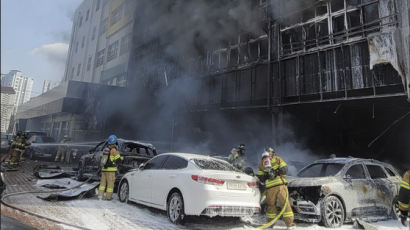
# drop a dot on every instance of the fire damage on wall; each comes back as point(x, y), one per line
point(333, 74)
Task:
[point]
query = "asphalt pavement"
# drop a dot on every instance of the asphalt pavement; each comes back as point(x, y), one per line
point(8, 223)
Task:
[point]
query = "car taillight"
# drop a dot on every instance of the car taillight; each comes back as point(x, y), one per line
point(253, 184)
point(207, 180)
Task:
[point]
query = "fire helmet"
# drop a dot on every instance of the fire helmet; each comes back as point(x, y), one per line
point(241, 147)
point(112, 140)
point(265, 154)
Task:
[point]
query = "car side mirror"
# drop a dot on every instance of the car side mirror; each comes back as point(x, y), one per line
point(347, 178)
point(141, 167)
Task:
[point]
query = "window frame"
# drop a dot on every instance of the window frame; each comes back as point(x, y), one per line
point(366, 176)
point(381, 167)
point(157, 157)
point(175, 157)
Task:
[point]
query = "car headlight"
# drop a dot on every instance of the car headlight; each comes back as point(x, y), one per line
point(325, 190)
point(2, 176)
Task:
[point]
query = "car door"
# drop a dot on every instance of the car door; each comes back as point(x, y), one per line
point(142, 180)
point(382, 192)
point(358, 191)
point(165, 179)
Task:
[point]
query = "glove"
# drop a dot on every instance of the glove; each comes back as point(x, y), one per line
point(403, 219)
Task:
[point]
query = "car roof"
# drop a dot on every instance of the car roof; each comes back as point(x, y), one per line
point(148, 145)
point(189, 156)
point(346, 160)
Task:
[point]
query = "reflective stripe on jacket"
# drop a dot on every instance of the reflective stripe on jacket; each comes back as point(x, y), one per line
point(277, 163)
point(404, 193)
point(111, 165)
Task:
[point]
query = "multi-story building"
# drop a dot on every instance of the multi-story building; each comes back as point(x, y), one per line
point(48, 85)
point(7, 107)
point(100, 40)
point(22, 86)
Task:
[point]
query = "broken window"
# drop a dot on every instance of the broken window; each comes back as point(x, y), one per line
point(223, 60)
point(253, 51)
point(338, 28)
point(355, 172)
point(322, 29)
point(308, 14)
point(337, 5)
point(354, 23)
point(286, 47)
point(264, 48)
point(296, 38)
point(376, 172)
point(233, 57)
point(244, 54)
point(352, 3)
point(310, 35)
point(371, 16)
point(321, 9)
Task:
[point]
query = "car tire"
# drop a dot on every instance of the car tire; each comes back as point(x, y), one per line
point(175, 208)
point(395, 211)
point(123, 192)
point(333, 213)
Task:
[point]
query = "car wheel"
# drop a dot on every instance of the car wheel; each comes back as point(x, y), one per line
point(333, 214)
point(395, 213)
point(124, 192)
point(175, 208)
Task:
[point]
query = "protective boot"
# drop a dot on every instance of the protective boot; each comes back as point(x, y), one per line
point(108, 196)
point(292, 226)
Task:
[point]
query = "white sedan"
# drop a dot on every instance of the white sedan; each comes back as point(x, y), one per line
point(191, 184)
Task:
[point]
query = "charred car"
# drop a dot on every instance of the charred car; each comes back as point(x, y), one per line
point(339, 190)
point(134, 153)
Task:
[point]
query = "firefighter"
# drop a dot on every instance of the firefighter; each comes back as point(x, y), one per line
point(17, 146)
point(237, 157)
point(272, 171)
point(404, 197)
point(63, 150)
point(109, 161)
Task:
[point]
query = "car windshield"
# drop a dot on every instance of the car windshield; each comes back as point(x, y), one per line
point(321, 170)
point(211, 164)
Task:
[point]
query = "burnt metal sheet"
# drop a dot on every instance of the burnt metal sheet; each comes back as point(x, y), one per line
point(85, 190)
point(50, 172)
point(63, 183)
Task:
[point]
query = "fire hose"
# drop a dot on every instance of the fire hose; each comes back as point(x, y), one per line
point(270, 223)
point(38, 215)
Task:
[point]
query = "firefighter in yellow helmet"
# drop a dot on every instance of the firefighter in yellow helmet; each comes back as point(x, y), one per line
point(18, 147)
point(272, 171)
point(404, 197)
point(109, 161)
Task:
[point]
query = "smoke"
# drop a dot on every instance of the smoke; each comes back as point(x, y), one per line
point(171, 40)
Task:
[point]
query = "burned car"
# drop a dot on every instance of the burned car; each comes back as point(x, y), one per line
point(134, 153)
point(339, 190)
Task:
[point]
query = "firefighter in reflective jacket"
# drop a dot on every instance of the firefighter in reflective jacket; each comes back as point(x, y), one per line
point(110, 159)
point(237, 157)
point(404, 197)
point(18, 147)
point(272, 170)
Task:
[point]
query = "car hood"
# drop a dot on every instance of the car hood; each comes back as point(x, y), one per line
point(310, 181)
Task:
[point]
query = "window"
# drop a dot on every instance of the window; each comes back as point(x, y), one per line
point(93, 34)
point(174, 162)
point(355, 172)
point(156, 162)
point(97, 6)
point(112, 52)
point(89, 63)
point(81, 21)
point(99, 58)
point(82, 42)
point(214, 165)
point(103, 26)
point(87, 15)
point(321, 170)
point(125, 44)
point(376, 172)
point(72, 73)
point(390, 172)
point(116, 14)
point(337, 5)
point(78, 69)
point(76, 47)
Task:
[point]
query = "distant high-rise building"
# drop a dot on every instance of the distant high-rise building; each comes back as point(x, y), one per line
point(47, 85)
point(7, 106)
point(21, 85)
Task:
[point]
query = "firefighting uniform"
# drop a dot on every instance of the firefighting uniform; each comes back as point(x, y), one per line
point(276, 189)
point(404, 194)
point(108, 173)
point(237, 160)
point(18, 148)
point(63, 151)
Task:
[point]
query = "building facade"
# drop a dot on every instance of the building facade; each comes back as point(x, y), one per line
point(48, 85)
point(22, 86)
point(100, 40)
point(7, 107)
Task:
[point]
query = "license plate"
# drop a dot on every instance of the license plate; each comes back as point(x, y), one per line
point(236, 186)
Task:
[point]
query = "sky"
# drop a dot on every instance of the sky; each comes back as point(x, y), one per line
point(35, 35)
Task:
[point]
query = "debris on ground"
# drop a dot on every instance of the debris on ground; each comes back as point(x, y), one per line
point(84, 191)
point(51, 171)
point(63, 183)
point(361, 224)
